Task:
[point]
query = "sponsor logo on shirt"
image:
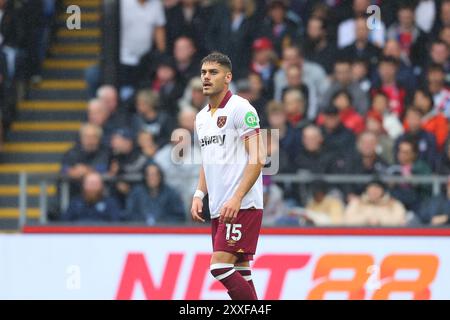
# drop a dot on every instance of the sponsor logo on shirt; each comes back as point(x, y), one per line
point(251, 119)
point(217, 139)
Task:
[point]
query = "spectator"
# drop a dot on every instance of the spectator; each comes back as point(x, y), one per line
point(187, 18)
point(322, 208)
point(432, 122)
point(435, 211)
point(346, 29)
point(294, 107)
point(98, 114)
point(380, 108)
point(177, 161)
point(193, 95)
point(274, 207)
point(375, 208)
point(436, 86)
point(257, 96)
point(410, 37)
point(146, 143)
point(368, 161)
point(289, 138)
point(118, 117)
point(313, 74)
point(167, 85)
point(278, 26)
point(150, 119)
point(443, 165)
point(360, 74)
point(142, 23)
point(87, 156)
point(252, 90)
point(263, 62)
point(93, 205)
point(127, 163)
point(295, 82)
point(313, 157)
point(409, 164)
point(343, 80)
point(444, 35)
point(186, 60)
point(361, 48)
point(440, 55)
point(349, 117)
point(444, 17)
point(387, 70)
point(317, 48)
point(337, 137)
point(385, 148)
point(231, 30)
point(427, 149)
point(154, 202)
point(407, 74)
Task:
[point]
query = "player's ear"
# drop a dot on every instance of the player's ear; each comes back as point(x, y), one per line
point(228, 77)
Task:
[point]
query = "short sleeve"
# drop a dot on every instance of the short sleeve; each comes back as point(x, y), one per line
point(246, 120)
point(159, 14)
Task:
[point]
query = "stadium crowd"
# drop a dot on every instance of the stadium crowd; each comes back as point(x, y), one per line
point(348, 93)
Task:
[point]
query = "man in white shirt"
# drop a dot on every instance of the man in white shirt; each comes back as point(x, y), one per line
point(232, 159)
point(141, 22)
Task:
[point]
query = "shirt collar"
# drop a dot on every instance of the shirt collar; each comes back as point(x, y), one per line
point(224, 100)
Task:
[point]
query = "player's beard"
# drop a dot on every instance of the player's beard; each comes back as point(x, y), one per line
point(214, 90)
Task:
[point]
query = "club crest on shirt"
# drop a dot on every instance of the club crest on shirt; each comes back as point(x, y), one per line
point(221, 121)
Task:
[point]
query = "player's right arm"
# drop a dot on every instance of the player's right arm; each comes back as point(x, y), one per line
point(197, 202)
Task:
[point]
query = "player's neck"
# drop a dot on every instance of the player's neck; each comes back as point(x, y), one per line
point(215, 100)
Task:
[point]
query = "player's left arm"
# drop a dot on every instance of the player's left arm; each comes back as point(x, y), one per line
point(255, 149)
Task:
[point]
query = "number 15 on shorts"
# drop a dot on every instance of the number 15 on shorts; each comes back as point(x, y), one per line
point(233, 231)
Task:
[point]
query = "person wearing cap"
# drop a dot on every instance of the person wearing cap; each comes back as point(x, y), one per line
point(375, 207)
point(263, 61)
point(127, 163)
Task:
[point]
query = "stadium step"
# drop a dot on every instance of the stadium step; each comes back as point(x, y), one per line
point(48, 121)
point(46, 126)
point(49, 105)
point(76, 49)
point(25, 147)
point(13, 213)
point(32, 190)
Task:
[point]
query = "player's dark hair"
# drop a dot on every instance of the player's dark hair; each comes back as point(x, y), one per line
point(219, 58)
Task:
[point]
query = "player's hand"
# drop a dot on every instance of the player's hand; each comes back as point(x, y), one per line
point(230, 210)
point(196, 209)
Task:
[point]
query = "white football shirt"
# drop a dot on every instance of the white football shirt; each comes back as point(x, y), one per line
point(221, 137)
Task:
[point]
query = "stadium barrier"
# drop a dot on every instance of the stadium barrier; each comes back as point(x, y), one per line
point(435, 181)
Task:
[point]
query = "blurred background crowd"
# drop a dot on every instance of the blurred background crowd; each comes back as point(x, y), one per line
point(349, 94)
